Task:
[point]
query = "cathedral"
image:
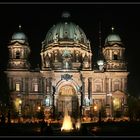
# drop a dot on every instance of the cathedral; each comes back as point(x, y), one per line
point(67, 78)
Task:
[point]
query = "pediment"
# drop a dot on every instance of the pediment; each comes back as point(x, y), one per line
point(118, 93)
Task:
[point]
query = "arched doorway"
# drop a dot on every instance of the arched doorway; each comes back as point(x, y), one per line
point(67, 98)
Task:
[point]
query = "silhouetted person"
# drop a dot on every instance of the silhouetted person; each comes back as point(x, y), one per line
point(48, 130)
point(43, 125)
point(9, 117)
point(84, 130)
point(100, 116)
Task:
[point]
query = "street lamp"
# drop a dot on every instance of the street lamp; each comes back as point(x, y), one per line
point(95, 107)
point(19, 111)
point(111, 104)
point(100, 64)
point(114, 101)
point(20, 102)
point(38, 108)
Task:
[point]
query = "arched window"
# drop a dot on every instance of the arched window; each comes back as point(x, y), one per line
point(98, 88)
point(35, 87)
point(116, 103)
point(115, 57)
point(17, 55)
point(47, 102)
point(17, 87)
point(116, 86)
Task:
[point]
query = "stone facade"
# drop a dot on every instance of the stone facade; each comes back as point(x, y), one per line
point(67, 78)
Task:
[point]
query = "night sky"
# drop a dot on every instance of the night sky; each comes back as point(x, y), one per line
point(37, 19)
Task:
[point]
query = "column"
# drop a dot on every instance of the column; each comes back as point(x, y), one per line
point(90, 60)
point(83, 87)
point(42, 60)
point(23, 85)
point(110, 54)
point(109, 85)
point(123, 85)
point(109, 97)
point(90, 90)
point(50, 85)
point(10, 83)
point(29, 83)
point(82, 97)
point(54, 102)
point(103, 85)
point(39, 84)
point(46, 85)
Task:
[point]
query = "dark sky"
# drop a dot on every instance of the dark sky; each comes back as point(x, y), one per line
point(37, 19)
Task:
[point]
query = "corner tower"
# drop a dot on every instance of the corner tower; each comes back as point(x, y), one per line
point(114, 53)
point(19, 51)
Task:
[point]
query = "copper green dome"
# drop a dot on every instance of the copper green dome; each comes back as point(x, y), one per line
point(65, 31)
point(113, 38)
point(19, 36)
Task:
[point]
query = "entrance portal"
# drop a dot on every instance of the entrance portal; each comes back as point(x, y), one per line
point(67, 99)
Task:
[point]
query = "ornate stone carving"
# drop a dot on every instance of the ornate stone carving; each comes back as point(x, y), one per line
point(66, 77)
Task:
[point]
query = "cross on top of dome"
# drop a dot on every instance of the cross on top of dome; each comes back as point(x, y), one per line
point(65, 14)
point(112, 28)
point(19, 27)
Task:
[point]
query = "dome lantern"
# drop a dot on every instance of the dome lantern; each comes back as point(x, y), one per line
point(65, 14)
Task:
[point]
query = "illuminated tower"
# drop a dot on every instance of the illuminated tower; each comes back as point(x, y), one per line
point(116, 74)
point(18, 52)
point(114, 53)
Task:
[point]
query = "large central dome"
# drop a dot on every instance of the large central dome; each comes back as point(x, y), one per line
point(65, 31)
point(66, 47)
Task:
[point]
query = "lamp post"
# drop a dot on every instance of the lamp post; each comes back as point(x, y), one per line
point(95, 109)
point(100, 64)
point(111, 104)
point(39, 108)
point(19, 111)
point(113, 110)
point(20, 102)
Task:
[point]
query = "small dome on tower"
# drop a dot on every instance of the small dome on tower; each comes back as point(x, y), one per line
point(113, 38)
point(19, 35)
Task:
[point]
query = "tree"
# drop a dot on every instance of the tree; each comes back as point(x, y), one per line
point(103, 112)
point(118, 113)
point(40, 114)
point(4, 94)
point(133, 108)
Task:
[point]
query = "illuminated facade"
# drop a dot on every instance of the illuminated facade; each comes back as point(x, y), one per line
point(67, 78)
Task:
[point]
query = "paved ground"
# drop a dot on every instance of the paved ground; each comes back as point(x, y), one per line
point(89, 129)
